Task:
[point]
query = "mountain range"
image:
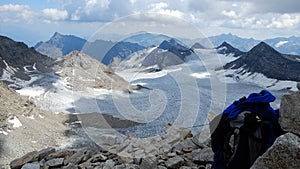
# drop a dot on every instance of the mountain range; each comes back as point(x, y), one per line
point(59, 45)
point(20, 63)
point(21, 66)
point(104, 51)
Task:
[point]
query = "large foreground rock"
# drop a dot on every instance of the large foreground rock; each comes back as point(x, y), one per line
point(285, 153)
point(290, 112)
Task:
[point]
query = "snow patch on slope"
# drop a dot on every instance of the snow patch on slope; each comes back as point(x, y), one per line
point(15, 122)
point(280, 43)
point(242, 76)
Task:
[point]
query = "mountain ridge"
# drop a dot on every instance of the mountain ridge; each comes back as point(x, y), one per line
point(266, 60)
point(226, 48)
point(17, 61)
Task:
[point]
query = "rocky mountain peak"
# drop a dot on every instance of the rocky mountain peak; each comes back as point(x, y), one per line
point(56, 35)
point(226, 48)
point(59, 45)
point(197, 45)
point(225, 44)
point(263, 48)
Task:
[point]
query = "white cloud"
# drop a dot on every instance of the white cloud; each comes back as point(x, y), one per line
point(230, 13)
point(221, 16)
point(162, 8)
point(11, 7)
point(15, 13)
point(55, 14)
point(285, 21)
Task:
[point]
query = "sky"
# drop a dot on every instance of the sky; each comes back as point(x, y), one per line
point(32, 21)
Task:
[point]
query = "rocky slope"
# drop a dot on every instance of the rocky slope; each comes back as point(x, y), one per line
point(18, 62)
point(265, 60)
point(82, 71)
point(176, 148)
point(26, 128)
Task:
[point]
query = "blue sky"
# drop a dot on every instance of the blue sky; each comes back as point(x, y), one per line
point(34, 4)
point(35, 20)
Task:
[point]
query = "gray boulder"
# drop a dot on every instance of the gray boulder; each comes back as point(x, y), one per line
point(31, 166)
point(285, 153)
point(203, 155)
point(290, 112)
point(45, 152)
point(56, 162)
point(29, 157)
point(175, 162)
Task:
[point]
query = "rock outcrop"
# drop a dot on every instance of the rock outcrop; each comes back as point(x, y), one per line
point(290, 112)
point(285, 153)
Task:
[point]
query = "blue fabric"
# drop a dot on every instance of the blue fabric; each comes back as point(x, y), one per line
point(257, 103)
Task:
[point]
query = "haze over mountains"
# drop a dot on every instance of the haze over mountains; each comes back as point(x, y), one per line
point(158, 50)
point(101, 49)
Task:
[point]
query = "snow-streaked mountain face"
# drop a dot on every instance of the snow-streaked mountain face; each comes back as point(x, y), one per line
point(168, 53)
point(269, 62)
point(20, 64)
point(227, 49)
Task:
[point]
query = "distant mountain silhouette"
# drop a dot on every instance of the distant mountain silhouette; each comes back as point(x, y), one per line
point(147, 39)
point(106, 51)
point(168, 53)
point(226, 48)
point(197, 45)
point(59, 45)
point(264, 59)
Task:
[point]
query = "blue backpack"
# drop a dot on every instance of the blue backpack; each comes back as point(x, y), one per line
point(244, 131)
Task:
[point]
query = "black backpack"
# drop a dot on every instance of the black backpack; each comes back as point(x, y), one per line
point(238, 140)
